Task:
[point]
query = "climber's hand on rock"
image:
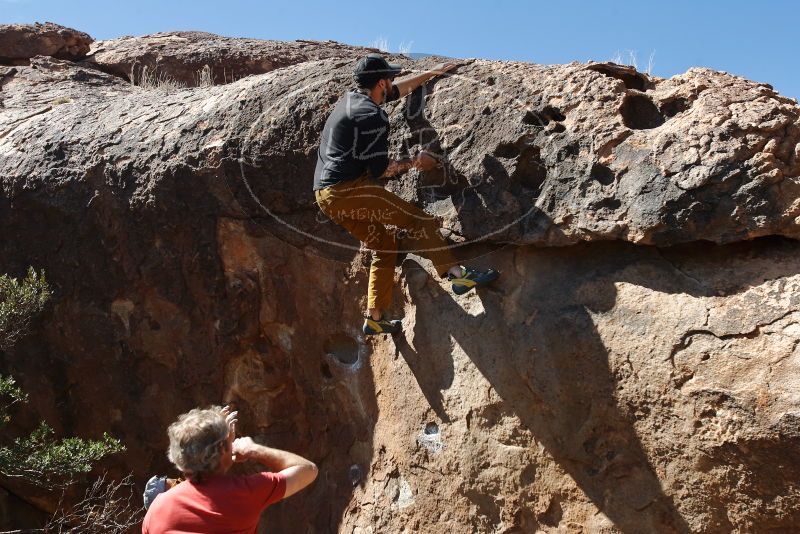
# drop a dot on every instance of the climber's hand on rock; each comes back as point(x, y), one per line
point(425, 161)
point(396, 168)
point(443, 68)
point(243, 448)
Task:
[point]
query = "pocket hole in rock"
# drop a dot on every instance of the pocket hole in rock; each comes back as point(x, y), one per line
point(431, 429)
point(674, 106)
point(553, 113)
point(609, 203)
point(506, 150)
point(602, 174)
point(355, 474)
point(543, 117)
point(343, 348)
point(534, 119)
point(640, 113)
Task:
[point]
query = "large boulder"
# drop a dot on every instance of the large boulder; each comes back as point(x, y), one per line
point(547, 155)
point(20, 42)
point(199, 58)
point(633, 370)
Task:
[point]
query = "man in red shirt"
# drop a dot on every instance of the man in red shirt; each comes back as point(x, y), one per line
point(203, 445)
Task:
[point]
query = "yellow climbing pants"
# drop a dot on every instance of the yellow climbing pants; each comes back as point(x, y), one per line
point(364, 208)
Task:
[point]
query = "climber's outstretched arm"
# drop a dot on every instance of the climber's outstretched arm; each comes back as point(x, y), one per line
point(407, 84)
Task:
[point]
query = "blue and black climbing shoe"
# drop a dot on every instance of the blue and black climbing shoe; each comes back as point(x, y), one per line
point(471, 278)
point(382, 326)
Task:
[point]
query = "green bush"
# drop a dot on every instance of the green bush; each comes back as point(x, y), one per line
point(38, 458)
point(47, 462)
point(19, 303)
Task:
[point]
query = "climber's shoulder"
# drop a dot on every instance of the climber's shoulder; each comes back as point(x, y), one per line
point(359, 107)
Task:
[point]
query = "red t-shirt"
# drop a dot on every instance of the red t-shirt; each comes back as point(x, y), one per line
point(220, 504)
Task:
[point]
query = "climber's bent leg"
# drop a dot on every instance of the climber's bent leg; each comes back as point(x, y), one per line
point(361, 205)
point(421, 231)
point(354, 208)
point(423, 237)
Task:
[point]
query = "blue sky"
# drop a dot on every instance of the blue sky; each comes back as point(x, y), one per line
point(755, 39)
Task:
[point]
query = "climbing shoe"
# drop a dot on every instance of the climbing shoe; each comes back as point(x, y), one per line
point(382, 326)
point(471, 278)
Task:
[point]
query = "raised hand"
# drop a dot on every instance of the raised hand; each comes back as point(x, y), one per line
point(425, 161)
point(443, 68)
point(231, 418)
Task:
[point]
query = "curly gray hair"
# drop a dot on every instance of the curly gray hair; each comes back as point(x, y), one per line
point(194, 442)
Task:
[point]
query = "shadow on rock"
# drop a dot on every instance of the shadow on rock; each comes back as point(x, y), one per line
point(556, 377)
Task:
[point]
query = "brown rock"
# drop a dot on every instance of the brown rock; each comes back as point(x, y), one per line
point(556, 154)
point(199, 58)
point(20, 42)
point(613, 385)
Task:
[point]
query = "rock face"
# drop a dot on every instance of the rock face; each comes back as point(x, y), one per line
point(183, 56)
point(634, 369)
point(20, 42)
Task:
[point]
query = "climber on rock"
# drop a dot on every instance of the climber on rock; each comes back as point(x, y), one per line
point(352, 161)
